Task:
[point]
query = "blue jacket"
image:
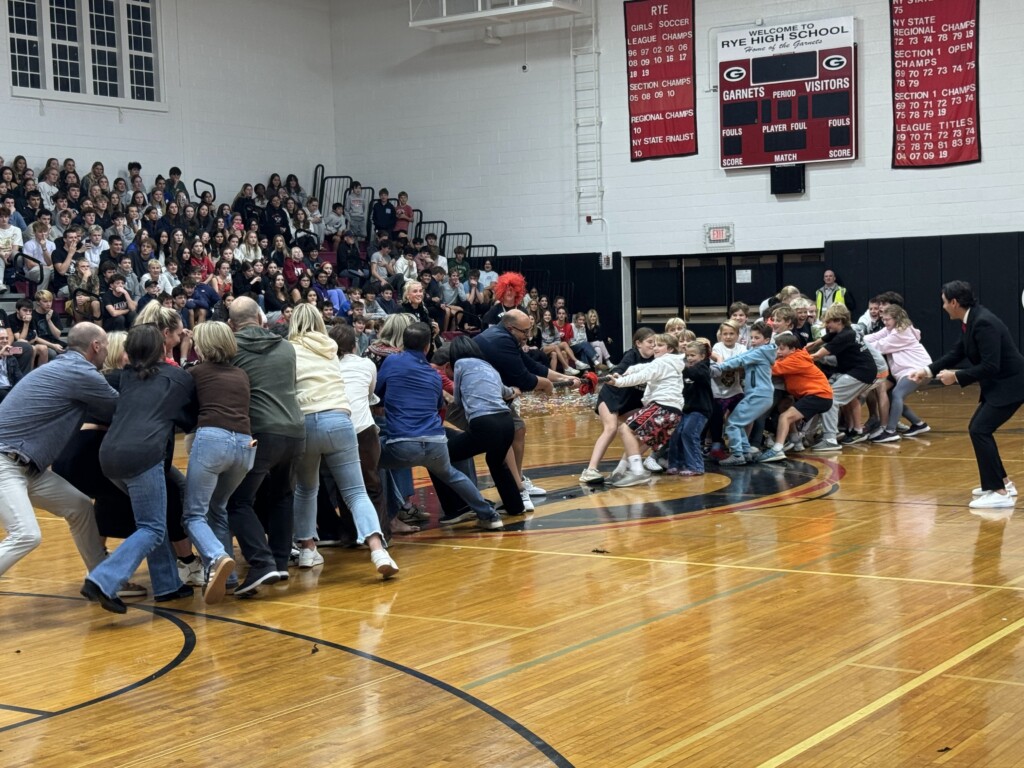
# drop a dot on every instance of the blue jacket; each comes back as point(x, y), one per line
point(501, 349)
point(411, 392)
point(757, 367)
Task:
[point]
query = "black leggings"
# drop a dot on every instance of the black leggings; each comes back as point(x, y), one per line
point(492, 436)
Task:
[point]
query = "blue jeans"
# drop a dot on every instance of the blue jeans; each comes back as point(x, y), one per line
point(434, 457)
point(217, 465)
point(330, 435)
point(684, 448)
point(148, 492)
point(585, 350)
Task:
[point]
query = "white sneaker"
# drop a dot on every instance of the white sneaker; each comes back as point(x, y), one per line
point(382, 561)
point(191, 574)
point(310, 558)
point(1010, 489)
point(532, 489)
point(651, 465)
point(582, 366)
point(527, 502)
point(632, 478)
point(591, 476)
point(992, 500)
point(571, 372)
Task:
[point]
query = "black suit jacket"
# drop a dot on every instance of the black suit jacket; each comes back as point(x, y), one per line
point(992, 360)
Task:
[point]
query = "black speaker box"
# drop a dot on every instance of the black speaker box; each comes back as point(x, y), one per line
point(788, 179)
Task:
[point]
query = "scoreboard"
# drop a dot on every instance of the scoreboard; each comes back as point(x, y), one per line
point(787, 93)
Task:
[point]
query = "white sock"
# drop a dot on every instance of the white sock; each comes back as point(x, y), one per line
point(777, 447)
point(635, 465)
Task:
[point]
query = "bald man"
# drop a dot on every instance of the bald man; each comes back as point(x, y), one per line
point(279, 428)
point(61, 392)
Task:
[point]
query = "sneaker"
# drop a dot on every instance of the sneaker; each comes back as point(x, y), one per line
point(527, 501)
point(310, 558)
point(852, 438)
point(873, 425)
point(91, 591)
point(591, 477)
point(796, 446)
point(582, 366)
point(887, 437)
point(216, 578)
point(413, 515)
point(992, 500)
point(771, 455)
point(826, 446)
point(632, 478)
point(493, 524)
point(382, 561)
point(734, 460)
point(717, 454)
point(651, 465)
point(875, 432)
point(616, 476)
point(1010, 489)
point(182, 592)
point(3, 289)
point(901, 427)
point(690, 473)
point(257, 578)
point(571, 372)
point(457, 517)
point(532, 489)
point(130, 589)
point(917, 429)
point(293, 556)
point(191, 573)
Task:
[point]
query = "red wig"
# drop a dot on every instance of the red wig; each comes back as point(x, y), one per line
point(510, 280)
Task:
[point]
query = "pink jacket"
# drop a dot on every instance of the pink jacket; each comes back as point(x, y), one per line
point(903, 350)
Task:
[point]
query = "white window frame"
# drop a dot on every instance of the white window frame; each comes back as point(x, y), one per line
point(87, 97)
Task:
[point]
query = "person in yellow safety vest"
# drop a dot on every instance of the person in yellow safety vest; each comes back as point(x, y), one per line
point(830, 293)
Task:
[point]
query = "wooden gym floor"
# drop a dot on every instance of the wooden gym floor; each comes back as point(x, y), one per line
point(833, 611)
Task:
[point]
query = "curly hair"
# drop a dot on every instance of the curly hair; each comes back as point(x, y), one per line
point(510, 280)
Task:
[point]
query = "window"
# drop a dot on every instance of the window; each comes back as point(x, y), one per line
point(89, 51)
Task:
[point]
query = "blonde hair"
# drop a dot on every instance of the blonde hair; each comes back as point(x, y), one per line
point(674, 323)
point(306, 318)
point(115, 351)
point(837, 312)
point(154, 313)
point(668, 340)
point(899, 314)
point(43, 295)
point(689, 336)
point(701, 346)
point(393, 329)
point(215, 342)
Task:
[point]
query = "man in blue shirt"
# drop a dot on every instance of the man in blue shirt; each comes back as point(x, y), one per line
point(61, 392)
point(411, 393)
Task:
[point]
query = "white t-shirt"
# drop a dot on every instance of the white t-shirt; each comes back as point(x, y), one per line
point(360, 375)
point(718, 390)
point(10, 241)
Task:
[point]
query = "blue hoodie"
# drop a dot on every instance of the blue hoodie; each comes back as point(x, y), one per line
point(757, 366)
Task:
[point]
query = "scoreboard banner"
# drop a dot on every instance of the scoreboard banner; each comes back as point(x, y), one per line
point(660, 74)
point(787, 93)
point(934, 83)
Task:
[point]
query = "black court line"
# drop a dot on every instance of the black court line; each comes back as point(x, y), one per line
point(514, 725)
point(187, 646)
point(25, 710)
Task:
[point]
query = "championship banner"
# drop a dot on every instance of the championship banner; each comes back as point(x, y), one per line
point(660, 74)
point(934, 83)
point(788, 93)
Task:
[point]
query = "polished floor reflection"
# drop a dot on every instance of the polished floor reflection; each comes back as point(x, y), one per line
point(838, 611)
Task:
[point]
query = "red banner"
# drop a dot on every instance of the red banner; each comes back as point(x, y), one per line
point(935, 83)
point(660, 73)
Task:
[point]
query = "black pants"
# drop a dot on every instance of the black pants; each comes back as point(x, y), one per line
point(266, 543)
point(492, 436)
point(986, 420)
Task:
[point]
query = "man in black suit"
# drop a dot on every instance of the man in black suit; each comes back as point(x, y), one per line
point(990, 358)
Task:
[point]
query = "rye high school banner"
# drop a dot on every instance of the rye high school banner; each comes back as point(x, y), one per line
point(935, 83)
point(660, 74)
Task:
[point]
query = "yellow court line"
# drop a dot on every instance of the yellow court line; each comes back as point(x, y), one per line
point(390, 615)
point(887, 669)
point(789, 692)
point(884, 701)
point(737, 566)
point(985, 680)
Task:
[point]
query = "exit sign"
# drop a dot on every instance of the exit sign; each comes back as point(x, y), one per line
point(718, 235)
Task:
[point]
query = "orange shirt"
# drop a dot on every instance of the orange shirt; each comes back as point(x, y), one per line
point(802, 376)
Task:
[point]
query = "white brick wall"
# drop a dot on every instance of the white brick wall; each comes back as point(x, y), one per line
point(249, 88)
point(473, 139)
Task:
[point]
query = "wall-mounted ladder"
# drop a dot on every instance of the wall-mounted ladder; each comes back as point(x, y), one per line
point(586, 70)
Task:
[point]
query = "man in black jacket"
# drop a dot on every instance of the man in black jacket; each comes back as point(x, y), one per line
point(989, 357)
